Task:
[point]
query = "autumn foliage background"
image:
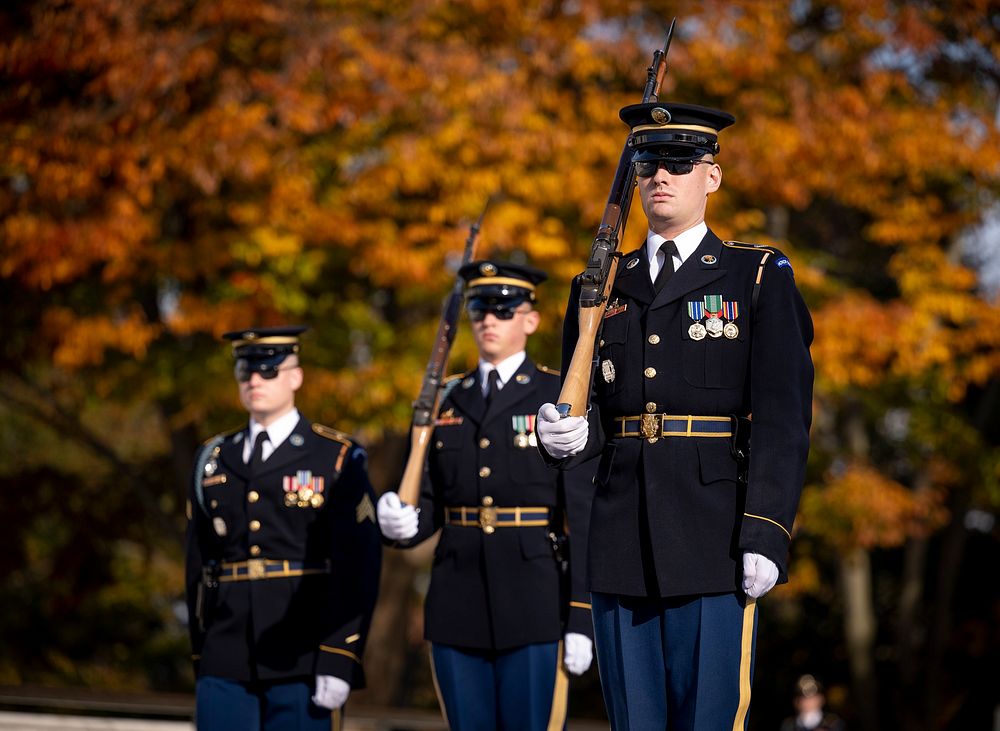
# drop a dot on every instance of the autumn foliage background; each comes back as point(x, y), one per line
point(173, 169)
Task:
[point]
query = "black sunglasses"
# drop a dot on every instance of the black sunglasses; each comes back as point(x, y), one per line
point(500, 312)
point(243, 370)
point(648, 168)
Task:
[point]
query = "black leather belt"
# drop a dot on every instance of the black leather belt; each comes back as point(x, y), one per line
point(264, 568)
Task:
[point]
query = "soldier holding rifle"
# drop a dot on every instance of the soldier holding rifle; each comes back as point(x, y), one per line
point(693, 509)
point(507, 612)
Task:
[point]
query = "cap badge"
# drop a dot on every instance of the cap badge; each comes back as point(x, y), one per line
point(296, 440)
point(249, 335)
point(708, 259)
point(468, 382)
point(660, 115)
point(487, 269)
point(523, 378)
point(632, 263)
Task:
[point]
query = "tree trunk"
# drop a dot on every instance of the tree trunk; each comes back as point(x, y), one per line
point(859, 628)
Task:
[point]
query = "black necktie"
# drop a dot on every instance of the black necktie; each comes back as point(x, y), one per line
point(257, 456)
point(669, 248)
point(492, 385)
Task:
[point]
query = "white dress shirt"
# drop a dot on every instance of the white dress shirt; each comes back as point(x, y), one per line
point(278, 432)
point(686, 243)
point(505, 369)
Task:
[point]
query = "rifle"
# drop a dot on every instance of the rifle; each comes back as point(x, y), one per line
point(598, 278)
point(425, 408)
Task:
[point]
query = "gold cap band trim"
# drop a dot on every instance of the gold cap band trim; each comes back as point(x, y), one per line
point(523, 283)
point(688, 127)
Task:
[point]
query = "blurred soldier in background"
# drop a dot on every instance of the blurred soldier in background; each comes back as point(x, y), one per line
point(809, 701)
point(283, 555)
point(507, 612)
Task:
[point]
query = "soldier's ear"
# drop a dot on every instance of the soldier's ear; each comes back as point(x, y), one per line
point(295, 378)
point(531, 321)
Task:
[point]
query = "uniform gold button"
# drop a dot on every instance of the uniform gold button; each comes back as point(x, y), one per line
point(487, 501)
point(254, 550)
point(484, 443)
point(653, 339)
point(214, 503)
point(650, 372)
point(485, 471)
point(488, 529)
point(651, 407)
point(253, 496)
point(602, 342)
point(255, 525)
point(439, 444)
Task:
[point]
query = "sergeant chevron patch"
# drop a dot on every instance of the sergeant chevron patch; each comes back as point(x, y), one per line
point(365, 510)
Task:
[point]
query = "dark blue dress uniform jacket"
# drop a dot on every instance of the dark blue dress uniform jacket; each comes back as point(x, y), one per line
point(681, 496)
point(293, 626)
point(501, 590)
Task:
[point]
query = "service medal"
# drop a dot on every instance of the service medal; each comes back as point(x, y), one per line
point(731, 331)
point(608, 371)
point(697, 331)
point(316, 501)
point(290, 499)
point(521, 441)
point(532, 439)
point(714, 327)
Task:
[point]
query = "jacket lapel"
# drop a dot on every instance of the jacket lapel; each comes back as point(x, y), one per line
point(231, 454)
point(517, 388)
point(290, 450)
point(697, 271)
point(467, 397)
point(632, 277)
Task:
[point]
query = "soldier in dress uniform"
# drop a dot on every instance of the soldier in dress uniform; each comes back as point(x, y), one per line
point(283, 555)
point(507, 613)
point(693, 509)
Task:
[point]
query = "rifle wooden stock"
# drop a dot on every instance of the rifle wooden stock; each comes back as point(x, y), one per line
point(409, 486)
point(575, 393)
point(425, 408)
point(598, 278)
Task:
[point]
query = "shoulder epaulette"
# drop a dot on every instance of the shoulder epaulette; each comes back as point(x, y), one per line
point(546, 369)
point(449, 383)
point(336, 436)
point(766, 252)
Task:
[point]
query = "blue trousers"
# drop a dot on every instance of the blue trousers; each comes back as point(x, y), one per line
point(222, 704)
point(683, 664)
point(524, 689)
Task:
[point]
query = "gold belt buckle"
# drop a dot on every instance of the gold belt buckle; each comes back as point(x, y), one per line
point(488, 519)
point(255, 568)
point(651, 427)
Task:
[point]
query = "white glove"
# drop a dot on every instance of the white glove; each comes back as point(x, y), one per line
point(561, 437)
point(578, 652)
point(759, 575)
point(331, 692)
point(397, 521)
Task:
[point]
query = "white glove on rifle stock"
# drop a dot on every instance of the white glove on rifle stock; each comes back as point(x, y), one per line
point(398, 522)
point(561, 437)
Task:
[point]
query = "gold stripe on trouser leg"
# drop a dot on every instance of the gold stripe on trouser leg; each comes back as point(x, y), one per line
point(336, 719)
point(560, 692)
point(746, 655)
point(437, 688)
